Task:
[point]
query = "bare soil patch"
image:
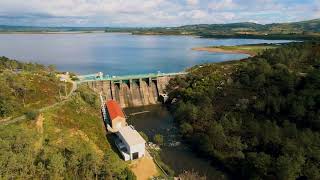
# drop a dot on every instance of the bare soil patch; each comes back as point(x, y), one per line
point(144, 168)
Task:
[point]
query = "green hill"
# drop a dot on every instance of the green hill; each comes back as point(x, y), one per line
point(258, 118)
point(27, 86)
point(65, 141)
point(298, 27)
point(312, 26)
point(296, 30)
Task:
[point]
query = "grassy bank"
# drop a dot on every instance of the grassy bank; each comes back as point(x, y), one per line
point(251, 49)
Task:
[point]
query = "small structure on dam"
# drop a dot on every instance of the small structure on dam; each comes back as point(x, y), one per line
point(129, 142)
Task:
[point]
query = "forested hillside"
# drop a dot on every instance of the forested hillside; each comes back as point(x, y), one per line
point(293, 27)
point(27, 86)
point(67, 141)
point(296, 30)
point(258, 118)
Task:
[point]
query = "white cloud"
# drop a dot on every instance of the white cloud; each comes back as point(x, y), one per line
point(152, 12)
point(198, 14)
point(223, 5)
point(228, 15)
point(81, 7)
point(316, 10)
point(192, 2)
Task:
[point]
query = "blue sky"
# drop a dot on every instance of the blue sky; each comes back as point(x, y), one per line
point(148, 13)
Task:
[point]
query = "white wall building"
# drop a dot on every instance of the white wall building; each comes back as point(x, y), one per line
point(130, 143)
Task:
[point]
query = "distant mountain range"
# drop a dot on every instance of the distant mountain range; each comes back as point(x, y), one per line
point(295, 27)
point(296, 30)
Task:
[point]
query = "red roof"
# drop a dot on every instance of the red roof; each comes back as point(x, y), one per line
point(114, 109)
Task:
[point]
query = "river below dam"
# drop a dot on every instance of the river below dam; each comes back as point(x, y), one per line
point(156, 119)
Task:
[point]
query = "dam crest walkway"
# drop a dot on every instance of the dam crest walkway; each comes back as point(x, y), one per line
point(101, 77)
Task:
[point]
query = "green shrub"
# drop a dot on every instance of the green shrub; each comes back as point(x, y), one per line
point(191, 175)
point(6, 107)
point(75, 78)
point(158, 139)
point(89, 98)
point(186, 128)
point(166, 168)
point(32, 115)
point(130, 174)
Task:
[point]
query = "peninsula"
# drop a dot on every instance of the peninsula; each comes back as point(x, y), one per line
point(250, 49)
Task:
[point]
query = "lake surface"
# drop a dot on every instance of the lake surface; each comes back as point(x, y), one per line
point(158, 120)
point(116, 53)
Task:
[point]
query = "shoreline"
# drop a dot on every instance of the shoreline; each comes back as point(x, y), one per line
point(58, 32)
point(220, 50)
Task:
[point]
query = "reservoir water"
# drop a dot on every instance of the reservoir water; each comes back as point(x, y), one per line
point(115, 53)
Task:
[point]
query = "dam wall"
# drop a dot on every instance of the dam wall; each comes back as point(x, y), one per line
point(132, 92)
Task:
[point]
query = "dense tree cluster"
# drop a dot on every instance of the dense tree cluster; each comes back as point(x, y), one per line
point(19, 159)
point(258, 118)
point(14, 65)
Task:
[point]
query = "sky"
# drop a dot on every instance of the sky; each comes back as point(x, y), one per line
point(152, 13)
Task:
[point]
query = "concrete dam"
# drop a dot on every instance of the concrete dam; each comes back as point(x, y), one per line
point(134, 90)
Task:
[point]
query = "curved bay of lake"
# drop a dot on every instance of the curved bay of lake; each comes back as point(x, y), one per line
point(116, 53)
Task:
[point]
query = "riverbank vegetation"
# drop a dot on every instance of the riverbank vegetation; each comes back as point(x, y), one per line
point(164, 167)
point(158, 139)
point(257, 118)
point(27, 86)
point(63, 142)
